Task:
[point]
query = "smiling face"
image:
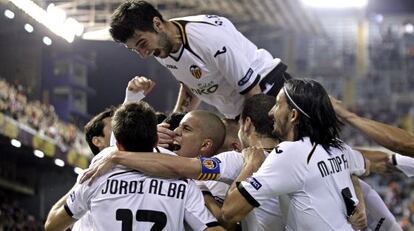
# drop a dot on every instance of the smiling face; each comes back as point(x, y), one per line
point(150, 43)
point(280, 115)
point(189, 136)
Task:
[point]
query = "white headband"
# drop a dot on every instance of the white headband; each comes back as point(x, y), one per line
point(293, 102)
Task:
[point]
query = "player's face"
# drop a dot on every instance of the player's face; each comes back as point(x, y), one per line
point(150, 44)
point(107, 131)
point(280, 114)
point(189, 136)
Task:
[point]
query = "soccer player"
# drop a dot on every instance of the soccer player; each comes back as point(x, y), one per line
point(312, 166)
point(130, 200)
point(255, 129)
point(211, 59)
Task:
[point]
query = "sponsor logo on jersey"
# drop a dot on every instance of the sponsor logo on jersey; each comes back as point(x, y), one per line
point(219, 52)
point(246, 77)
point(255, 183)
point(205, 88)
point(196, 71)
point(277, 150)
point(171, 66)
point(72, 196)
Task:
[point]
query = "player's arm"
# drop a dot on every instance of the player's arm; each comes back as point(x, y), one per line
point(358, 219)
point(151, 163)
point(58, 218)
point(236, 206)
point(393, 138)
point(186, 100)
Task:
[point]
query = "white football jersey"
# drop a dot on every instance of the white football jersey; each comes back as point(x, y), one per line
point(217, 63)
point(266, 217)
point(316, 183)
point(125, 199)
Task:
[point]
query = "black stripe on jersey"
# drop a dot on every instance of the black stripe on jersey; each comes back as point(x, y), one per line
point(68, 210)
point(311, 153)
point(184, 39)
point(157, 149)
point(212, 224)
point(247, 195)
point(251, 85)
point(124, 172)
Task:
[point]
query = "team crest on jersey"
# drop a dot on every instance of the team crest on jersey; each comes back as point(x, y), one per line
point(196, 71)
point(209, 163)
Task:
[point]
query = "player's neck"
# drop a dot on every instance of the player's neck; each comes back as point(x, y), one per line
point(175, 35)
point(262, 142)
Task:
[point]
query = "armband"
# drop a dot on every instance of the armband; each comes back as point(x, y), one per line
point(210, 169)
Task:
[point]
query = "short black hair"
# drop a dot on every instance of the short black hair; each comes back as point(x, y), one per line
point(130, 16)
point(174, 119)
point(322, 126)
point(257, 108)
point(135, 127)
point(95, 127)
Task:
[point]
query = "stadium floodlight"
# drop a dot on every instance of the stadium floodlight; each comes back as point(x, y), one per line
point(54, 19)
point(9, 14)
point(335, 4)
point(28, 28)
point(59, 162)
point(78, 170)
point(16, 143)
point(47, 41)
point(409, 28)
point(38, 153)
point(102, 34)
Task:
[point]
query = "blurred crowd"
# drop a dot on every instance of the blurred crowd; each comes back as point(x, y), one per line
point(14, 218)
point(39, 116)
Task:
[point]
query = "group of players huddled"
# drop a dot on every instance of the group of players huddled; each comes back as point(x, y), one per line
point(275, 161)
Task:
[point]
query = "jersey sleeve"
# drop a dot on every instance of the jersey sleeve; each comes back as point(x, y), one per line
point(357, 162)
point(77, 203)
point(231, 164)
point(281, 173)
point(227, 49)
point(196, 215)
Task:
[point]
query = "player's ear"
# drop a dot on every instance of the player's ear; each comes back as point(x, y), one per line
point(206, 145)
point(294, 115)
point(157, 24)
point(99, 142)
point(247, 124)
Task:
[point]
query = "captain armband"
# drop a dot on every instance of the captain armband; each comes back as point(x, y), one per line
point(210, 169)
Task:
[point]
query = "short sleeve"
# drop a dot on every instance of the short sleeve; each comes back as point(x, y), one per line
point(77, 203)
point(357, 162)
point(279, 174)
point(231, 164)
point(196, 214)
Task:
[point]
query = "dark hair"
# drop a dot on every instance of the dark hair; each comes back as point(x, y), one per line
point(257, 108)
point(161, 116)
point(322, 125)
point(135, 127)
point(174, 119)
point(95, 127)
point(130, 16)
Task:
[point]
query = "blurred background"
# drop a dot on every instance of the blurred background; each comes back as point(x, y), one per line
point(59, 67)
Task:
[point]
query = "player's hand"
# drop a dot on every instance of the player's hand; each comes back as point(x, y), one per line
point(140, 83)
point(97, 169)
point(358, 219)
point(341, 111)
point(165, 135)
point(254, 157)
point(382, 167)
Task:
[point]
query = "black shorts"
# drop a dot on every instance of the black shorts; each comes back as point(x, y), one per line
point(275, 80)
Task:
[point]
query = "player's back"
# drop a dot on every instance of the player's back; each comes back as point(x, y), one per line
point(128, 200)
point(319, 202)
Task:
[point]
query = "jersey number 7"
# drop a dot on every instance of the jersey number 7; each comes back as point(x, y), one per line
point(125, 216)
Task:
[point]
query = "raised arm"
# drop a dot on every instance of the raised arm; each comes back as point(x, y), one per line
point(157, 164)
point(186, 101)
point(393, 138)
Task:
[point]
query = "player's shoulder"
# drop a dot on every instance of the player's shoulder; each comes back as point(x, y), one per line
point(164, 151)
point(104, 153)
point(228, 155)
point(293, 147)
